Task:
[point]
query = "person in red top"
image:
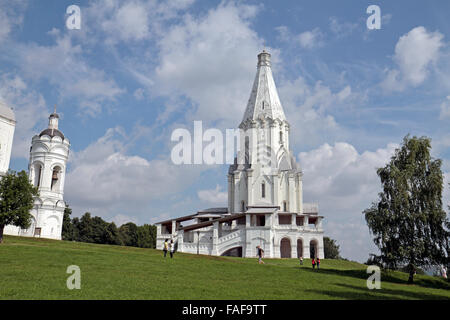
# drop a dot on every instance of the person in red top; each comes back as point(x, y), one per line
point(313, 263)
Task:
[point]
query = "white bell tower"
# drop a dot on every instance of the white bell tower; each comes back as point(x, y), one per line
point(47, 169)
point(7, 126)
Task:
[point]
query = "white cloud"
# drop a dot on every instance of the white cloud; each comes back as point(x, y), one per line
point(307, 39)
point(341, 29)
point(344, 182)
point(129, 22)
point(11, 17)
point(132, 22)
point(311, 39)
point(121, 219)
point(105, 180)
point(414, 53)
point(64, 67)
point(211, 60)
point(309, 110)
point(215, 196)
point(29, 108)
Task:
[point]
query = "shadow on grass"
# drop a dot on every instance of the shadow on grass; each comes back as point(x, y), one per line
point(391, 277)
point(358, 293)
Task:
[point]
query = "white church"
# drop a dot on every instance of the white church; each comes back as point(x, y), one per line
point(46, 169)
point(265, 193)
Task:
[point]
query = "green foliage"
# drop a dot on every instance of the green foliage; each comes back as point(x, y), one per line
point(408, 222)
point(67, 228)
point(128, 234)
point(330, 248)
point(96, 230)
point(16, 200)
point(146, 236)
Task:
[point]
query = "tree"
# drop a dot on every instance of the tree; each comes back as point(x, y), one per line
point(330, 248)
point(67, 228)
point(112, 235)
point(76, 229)
point(146, 236)
point(85, 228)
point(408, 222)
point(128, 234)
point(16, 200)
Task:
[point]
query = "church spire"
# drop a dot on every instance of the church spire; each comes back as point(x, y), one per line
point(264, 100)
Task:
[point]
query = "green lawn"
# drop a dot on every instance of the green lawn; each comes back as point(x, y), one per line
point(36, 269)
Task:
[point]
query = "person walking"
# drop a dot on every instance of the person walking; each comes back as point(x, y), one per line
point(165, 247)
point(301, 261)
point(443, 272)
point(260, 253)
point(313, 263)
point(172, 248)
point(318, 263)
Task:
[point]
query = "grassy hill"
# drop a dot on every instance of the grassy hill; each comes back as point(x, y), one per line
point(36, 269)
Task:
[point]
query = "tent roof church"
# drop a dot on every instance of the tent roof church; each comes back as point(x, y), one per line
point(264, 100)
point(265, 191)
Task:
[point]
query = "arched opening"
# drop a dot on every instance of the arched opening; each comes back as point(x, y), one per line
point(56, 179)
point(51, 226)
point(30, 230)
point(247, 150)
point(263, 189)
point(233, 252)
point(285, 248)
point(299, 248)
point(242, 206)
point(313, 249)
point(37, 174)
point(281, 137)
point(285, 208)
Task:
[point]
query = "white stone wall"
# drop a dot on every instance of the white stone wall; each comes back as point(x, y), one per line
point(6, 140)
point(211, 241)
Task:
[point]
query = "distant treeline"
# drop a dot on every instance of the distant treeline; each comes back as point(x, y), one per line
point(96, 230)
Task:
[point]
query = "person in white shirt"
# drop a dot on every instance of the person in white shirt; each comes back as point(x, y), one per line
point(172, 248)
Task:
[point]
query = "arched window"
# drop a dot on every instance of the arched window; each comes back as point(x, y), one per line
point(263, 189)
point(37, 175)
point(285, 206)
point(243, 206)
point(281, 137)
point(313, 249)
point(247, 150)
point(56, 178)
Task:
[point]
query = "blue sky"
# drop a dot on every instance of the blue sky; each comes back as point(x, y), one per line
point(139, 69)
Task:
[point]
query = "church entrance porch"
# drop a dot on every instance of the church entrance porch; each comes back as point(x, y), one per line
point(299, 248)
point(313, 249)
point(233, 252)
point(285, 248)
